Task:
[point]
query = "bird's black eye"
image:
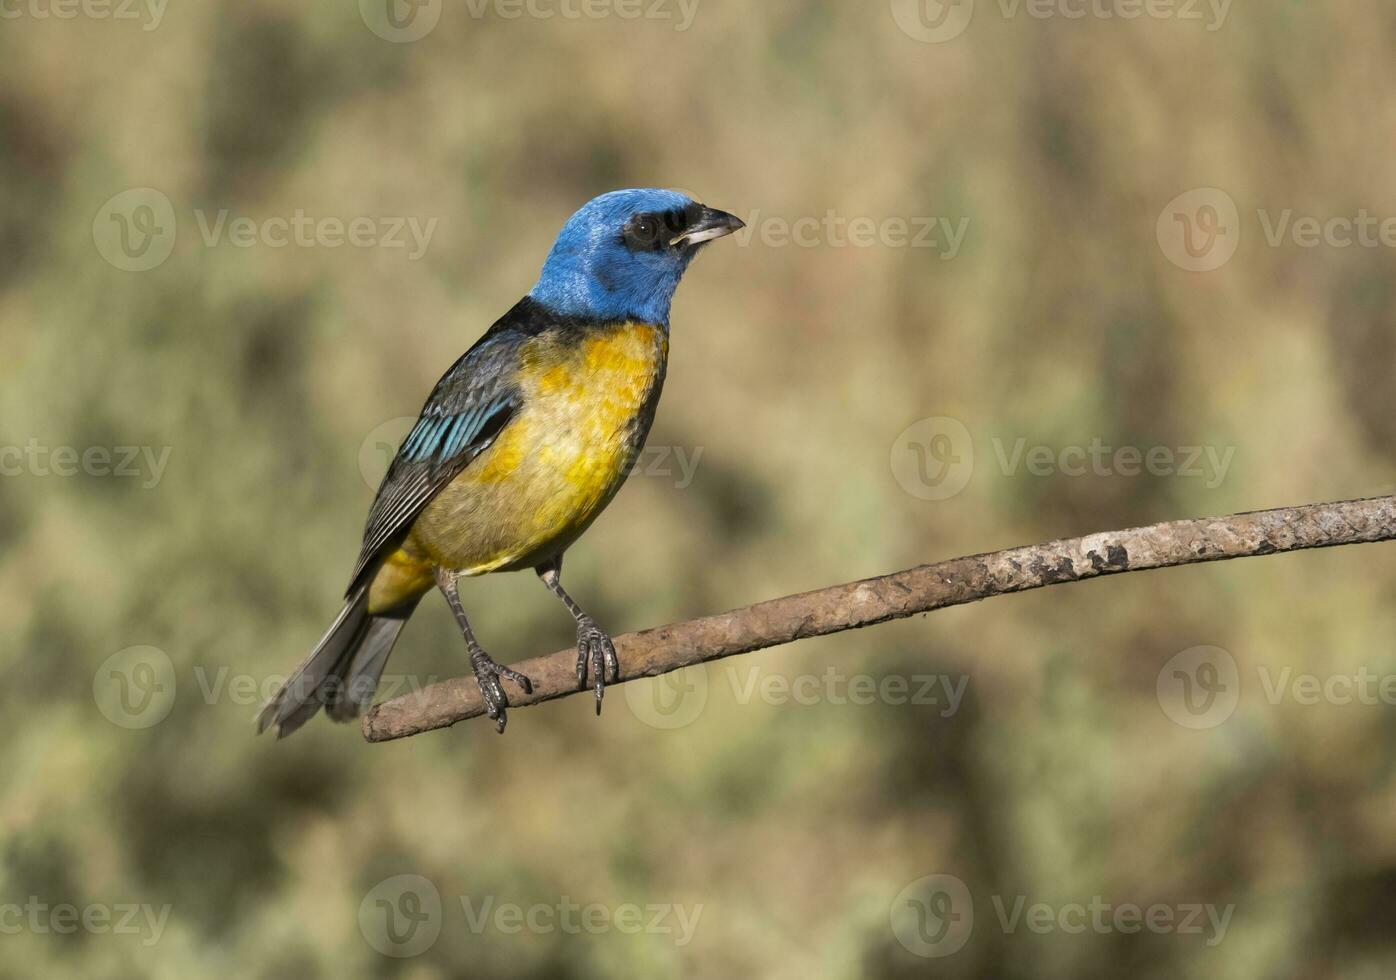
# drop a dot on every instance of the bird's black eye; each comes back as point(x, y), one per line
point(642, 233)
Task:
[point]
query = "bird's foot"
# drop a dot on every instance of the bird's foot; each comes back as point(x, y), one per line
point(595, 649)
point(487, 675)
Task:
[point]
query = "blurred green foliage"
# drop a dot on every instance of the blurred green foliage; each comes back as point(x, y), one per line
point(272, 374)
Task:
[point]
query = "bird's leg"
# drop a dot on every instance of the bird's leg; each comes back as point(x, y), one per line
point(594, 645)
point(487, 671)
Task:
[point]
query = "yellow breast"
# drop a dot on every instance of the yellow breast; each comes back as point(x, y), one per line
point(587, 405)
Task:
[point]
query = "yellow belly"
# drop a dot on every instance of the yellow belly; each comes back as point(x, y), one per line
point(560, 460)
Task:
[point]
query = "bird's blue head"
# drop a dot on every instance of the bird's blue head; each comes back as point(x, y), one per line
point(622, 255)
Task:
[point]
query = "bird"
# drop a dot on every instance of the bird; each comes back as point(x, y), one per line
point(519, 447)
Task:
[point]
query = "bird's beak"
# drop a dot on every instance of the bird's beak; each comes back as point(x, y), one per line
point(711, 225)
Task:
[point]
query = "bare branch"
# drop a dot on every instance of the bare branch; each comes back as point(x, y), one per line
point(907, 593)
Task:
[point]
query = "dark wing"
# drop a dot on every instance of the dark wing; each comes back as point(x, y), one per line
point(466, 410)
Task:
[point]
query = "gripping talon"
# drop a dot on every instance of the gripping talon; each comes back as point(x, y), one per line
point(595, 649)
point(519, 679)
point(599, 673)
point(487, 675)
point(595, 652)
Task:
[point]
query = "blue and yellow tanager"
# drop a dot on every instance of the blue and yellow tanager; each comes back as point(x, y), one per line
point(517, 450)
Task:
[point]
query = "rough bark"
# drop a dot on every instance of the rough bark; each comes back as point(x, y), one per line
point(906, 593)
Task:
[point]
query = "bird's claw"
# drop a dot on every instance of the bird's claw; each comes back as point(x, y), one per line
point(487, 675)
point(596, 650)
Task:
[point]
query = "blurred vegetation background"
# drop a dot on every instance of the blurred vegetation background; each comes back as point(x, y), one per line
point(149, 607)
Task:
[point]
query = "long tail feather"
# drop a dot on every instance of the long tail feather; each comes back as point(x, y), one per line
point(340, 674)
point(361, 678)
